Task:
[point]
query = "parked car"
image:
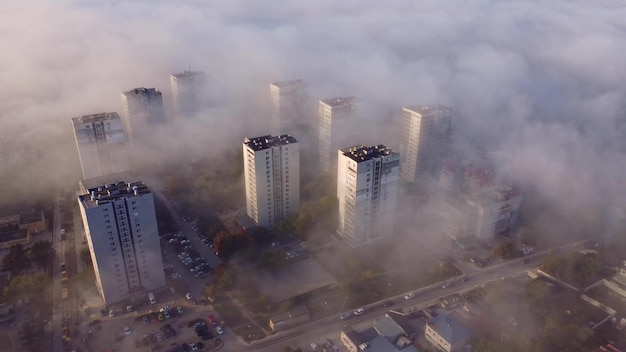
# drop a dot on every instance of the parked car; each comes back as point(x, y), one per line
point(345, 316)
point(219, 330)
point(213, 320)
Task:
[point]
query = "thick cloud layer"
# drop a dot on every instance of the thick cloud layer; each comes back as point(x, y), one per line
point(540, 86)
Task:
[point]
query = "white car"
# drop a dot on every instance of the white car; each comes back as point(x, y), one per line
point(409, 295)
point(127, 330)
point(219, 330)
point(359, 311)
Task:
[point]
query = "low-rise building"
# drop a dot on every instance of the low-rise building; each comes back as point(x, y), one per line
point(446, 334)
point(387, 334)
point(19, 228)
point(293, 317)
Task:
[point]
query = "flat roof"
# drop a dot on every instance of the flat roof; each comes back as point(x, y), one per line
point(103, 116)
point(30, 217)
point(288, 84)
point(339, 101)
point(112, 191)
point(449, 328)
point(142, 90)
point(425, 109)
point(12, 234)
point(265, 142)
point(361, 153)
point(188, 73)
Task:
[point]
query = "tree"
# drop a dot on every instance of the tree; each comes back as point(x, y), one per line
point(506, 249)
point(85, 256)
point(26, 285)
point(227, 244)
point(16, 260)
point(261, 236)
point(42, 253)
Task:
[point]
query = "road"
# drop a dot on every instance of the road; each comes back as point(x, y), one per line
point(57, 315)
point(426, 296)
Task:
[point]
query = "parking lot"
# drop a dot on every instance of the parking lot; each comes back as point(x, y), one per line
point(184, 327)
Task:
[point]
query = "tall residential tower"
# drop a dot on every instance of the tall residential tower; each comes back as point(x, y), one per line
point(367, 181)
point(121, 229)
point(424, 139)
point(272, 177)
point(101, 144)
point(287, 99)
point(188, 92)
point(336, 116)
point(141, 109)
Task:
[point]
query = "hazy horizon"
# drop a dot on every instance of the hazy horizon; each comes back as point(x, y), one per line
point(537, 87)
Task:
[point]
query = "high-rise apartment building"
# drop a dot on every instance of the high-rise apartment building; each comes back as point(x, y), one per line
point(424, 139)
point(287, 99)
point(101, 144)
point(121, 229)
point(188, 92)
point(367, 182)
point(336, 116)
point(141, 108)
point(272, 177)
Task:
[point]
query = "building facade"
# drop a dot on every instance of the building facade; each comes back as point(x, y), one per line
point(272, 178)
point(121, 229)
point(188, 92)
point(367, 182)
point(287, 106)
point(496, 211)
point(336, 115)
point(101, 144)
point(424, 139)
point(141, 109)
point(446, 334)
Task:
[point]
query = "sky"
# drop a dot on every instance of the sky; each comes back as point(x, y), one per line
point(539, 86)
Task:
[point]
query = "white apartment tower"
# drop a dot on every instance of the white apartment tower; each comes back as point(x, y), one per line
point(336, 116)
point(121, 229)
point(424, 139)
point(188, 92)
point(367, 181)
point(272, 177)
point(101, 144)
point(287, 99)
point(141, 108)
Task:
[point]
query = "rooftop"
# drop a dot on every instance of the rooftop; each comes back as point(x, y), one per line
point(31, 217)
point(11, 233)
point(361, 153)
point(388, 328)
point(428, 109)
point(265, 142)
point(340, 101)
point(288, 84)
point(450, 329)
point(103, 116)
point(188, 73)
point(141, 90)
point(112, 191)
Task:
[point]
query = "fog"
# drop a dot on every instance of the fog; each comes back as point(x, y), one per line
point(536, 87)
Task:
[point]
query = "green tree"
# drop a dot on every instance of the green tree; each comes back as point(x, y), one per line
point(24, 286)
point(85, 256)
point(16, 260)
point(42, 253)
point(505, 249)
